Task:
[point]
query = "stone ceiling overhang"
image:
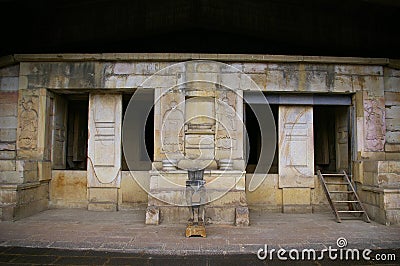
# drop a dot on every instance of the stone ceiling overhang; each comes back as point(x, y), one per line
point(179, 57)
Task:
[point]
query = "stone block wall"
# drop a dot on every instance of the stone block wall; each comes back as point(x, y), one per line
point(378, 170)
point(23, 180)
point(268, 197)
point(392, 111)
point(25, 159)
point(131, 195)
point(8, 135)
point(8, 123)
point(68, 189)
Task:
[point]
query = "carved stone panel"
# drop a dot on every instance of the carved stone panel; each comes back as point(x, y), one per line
point(59, 133)
point(28, 123)
point(104, 147)
point(33, 128)
point(296, 147)
point(172, 127)
point(374, 124)
point(229, 134)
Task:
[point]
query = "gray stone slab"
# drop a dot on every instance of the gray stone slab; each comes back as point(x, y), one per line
point(82, 230)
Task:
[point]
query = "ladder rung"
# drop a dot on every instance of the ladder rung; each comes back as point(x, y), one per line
point(351, 211)
point(336, 183)
point(338, 191)
point(345, 201)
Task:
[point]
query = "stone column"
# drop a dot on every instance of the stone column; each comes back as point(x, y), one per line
point(296, 157)
point(342, 139)
point(59, 133)
point(104, 151)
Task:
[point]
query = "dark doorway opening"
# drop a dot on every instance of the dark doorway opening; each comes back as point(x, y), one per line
point(77, 136)
point(144, 150)
point(254, 135)
point(331, 138)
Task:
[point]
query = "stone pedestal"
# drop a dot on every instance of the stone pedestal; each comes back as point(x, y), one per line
point(242, 216)
point(152, 215)
point(225, 196)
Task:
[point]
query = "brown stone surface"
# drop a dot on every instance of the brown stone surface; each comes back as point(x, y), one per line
point(68, 189)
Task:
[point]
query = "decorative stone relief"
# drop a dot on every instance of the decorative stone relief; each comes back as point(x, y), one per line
point(296, 147)
point(226, 121)
point(374, 119)
point(104, 149)
point(28, 123)
point(226, 115)
point(172, 129)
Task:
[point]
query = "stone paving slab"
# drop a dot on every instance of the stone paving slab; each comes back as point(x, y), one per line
point(76, 233)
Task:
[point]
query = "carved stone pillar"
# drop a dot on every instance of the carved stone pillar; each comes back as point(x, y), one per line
point(296, 157)
point(342, 139)
point(59, 133)
point(374, 124)
point(104, 151)
point(27, 189)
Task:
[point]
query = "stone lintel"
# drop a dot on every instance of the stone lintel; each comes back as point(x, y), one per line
point(103, 199)
point(7, 60)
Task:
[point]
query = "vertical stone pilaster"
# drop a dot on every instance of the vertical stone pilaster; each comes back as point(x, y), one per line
point(342, 140)
point(296, 157)
point(296, 146)
point(59, 133)
point(33, 134)
point(30, 125)
point(104, 151)
point(374, 124)
point(27, 191)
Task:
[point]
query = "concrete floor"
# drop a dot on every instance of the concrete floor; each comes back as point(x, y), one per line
point(124, 232)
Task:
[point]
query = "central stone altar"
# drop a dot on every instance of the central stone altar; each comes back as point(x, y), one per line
point(198, 126)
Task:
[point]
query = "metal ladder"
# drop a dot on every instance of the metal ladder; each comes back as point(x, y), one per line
point(353, 201)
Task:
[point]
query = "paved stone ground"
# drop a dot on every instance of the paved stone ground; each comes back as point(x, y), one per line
point(75, 236)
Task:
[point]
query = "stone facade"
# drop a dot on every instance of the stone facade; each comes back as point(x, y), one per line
point(37, 93)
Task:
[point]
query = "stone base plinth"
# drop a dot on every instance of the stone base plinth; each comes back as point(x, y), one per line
point(103, 199)
point(296, 200)
point(102, 206)
point(152, 215)
point(22, 200)
point(381, 204)
point(225, 193)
